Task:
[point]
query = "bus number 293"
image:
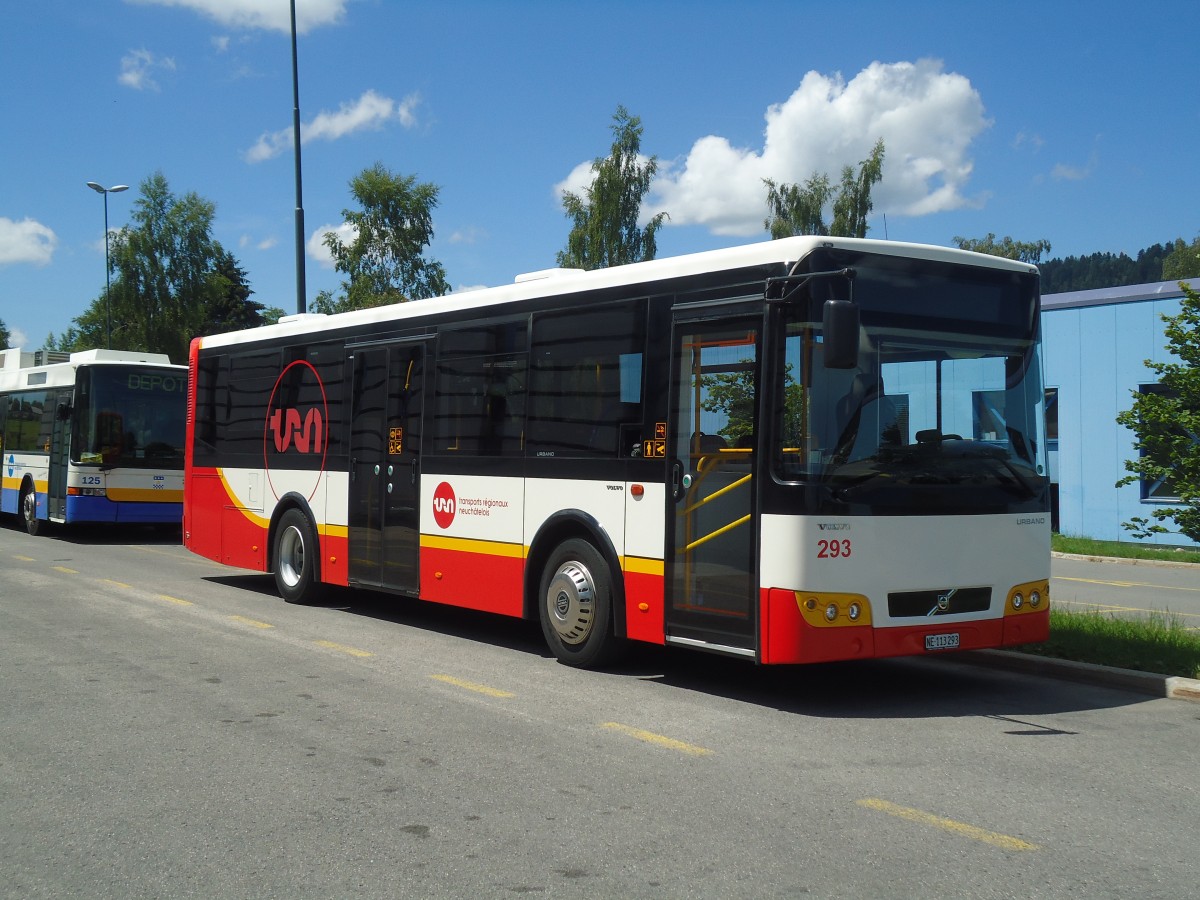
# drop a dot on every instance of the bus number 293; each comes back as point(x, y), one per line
point(832, 549)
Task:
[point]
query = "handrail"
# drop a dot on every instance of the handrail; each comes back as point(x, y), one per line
point(720, 531)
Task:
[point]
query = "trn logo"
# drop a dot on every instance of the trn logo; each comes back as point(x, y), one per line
point(444, 505)
point(296, 431)
point(307, 434)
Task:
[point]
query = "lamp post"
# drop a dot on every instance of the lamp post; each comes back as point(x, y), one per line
point(100, 189)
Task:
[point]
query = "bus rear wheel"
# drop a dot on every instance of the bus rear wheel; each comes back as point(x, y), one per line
point(295, 556)
point(575, 603)
point(29, 509)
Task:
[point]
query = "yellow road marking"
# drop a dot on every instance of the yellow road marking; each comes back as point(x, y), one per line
point(473, 686)
point(253, 622)
point(1003, 841)
point(1160, 587)
point(25, 558)
point(65, 570)
point(175, 600)
point(1108, 607)
point(342, 648)
point(117, 583)
point(658, 740)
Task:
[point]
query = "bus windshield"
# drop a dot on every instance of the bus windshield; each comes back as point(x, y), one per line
point(944, 411)
point(129, 416)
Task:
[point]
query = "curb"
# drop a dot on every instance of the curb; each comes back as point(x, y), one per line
point(1172, 687)
point(1131, 561)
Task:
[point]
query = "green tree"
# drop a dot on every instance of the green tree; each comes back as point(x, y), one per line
point(1023, 251)
point(1166, 424)
point(171, 280)
point(604, 222)
point(800, 209)
point(5, 334)
point(1183, 261)
point(385, 262)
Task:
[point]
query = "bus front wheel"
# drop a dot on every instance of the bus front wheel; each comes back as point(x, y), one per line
point(295, 558)
point(29, 509)
point(575, 603)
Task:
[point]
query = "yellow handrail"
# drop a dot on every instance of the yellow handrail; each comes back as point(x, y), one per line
point(720, 531)
point(715, 494)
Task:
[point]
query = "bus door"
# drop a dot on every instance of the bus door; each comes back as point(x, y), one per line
point(385, 451)
point(712, 532)
point(60, 454)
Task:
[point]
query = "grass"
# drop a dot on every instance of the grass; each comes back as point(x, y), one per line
point(1158, 643)
point(1120, 549)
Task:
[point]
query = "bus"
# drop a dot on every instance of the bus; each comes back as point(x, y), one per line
point(91, 437)
point(804, 450)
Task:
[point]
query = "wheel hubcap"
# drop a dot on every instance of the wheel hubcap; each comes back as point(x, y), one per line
point(570, 600)
point(291, 556)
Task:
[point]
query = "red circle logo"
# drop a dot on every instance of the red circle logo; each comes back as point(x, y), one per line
point(444, 505)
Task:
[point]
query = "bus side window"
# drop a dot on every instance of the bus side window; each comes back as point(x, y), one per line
point(586, 383)
point(480, 396)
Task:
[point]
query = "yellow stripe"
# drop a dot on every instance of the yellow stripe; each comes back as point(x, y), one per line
point(641, 566)
point(342, 648)
point(65, 570)
point(658, 740)
point(253, 622)
point(491, 548)
point(472, 686)
point(143, 495)
point(1003, 841)
point(25, 558)
point(1161, 587)
point(119, 584)
point(175, 600)
point(233, 497)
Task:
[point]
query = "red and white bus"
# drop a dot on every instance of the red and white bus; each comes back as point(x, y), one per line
point(804, 450)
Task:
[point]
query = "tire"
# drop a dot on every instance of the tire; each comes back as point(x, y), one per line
point(28, 509)
point(575, 600)
point(296, 554)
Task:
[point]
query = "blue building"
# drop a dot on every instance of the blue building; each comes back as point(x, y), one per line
point(1096, 344)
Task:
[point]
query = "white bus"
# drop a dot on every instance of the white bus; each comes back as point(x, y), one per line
point(804, 450)
point(91, 437)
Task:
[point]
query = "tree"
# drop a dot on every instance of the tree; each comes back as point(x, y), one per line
point(1166, 424)
point(1183, 261)
point(5, 335)
point(1024, 251)
point(171, 280)
point(604, 229)
point(384, 263)
point(795, 209)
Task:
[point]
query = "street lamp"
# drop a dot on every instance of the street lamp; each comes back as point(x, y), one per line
point(100, 189)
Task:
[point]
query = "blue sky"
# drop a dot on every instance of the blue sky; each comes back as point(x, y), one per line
point(1077, 123)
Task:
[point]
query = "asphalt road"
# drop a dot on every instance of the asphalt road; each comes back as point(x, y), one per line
point(170, 728)
point(1126, 589)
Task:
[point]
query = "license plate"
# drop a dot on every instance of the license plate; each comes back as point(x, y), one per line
point(941, 642)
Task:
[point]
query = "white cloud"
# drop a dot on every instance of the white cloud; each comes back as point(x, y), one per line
point(221, 43)
point(267, 243)
point(17, 338)
point(138, 68)
point(926, 117)
point(272, 15)
point(469, 235)
point(371, 111)
point(315, 246)
point(26, 241)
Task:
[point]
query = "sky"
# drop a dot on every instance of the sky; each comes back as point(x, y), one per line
point(1075, 123)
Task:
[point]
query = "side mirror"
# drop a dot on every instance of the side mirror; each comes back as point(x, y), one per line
point(64, 412)
point(839, 330)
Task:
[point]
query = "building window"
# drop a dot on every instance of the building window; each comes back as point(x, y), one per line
point(1052, 415)
point(1160, 489)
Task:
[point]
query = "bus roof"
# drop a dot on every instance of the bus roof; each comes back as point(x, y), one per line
point(550, 282)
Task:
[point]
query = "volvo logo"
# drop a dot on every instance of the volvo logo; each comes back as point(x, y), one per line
point(943, 602)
